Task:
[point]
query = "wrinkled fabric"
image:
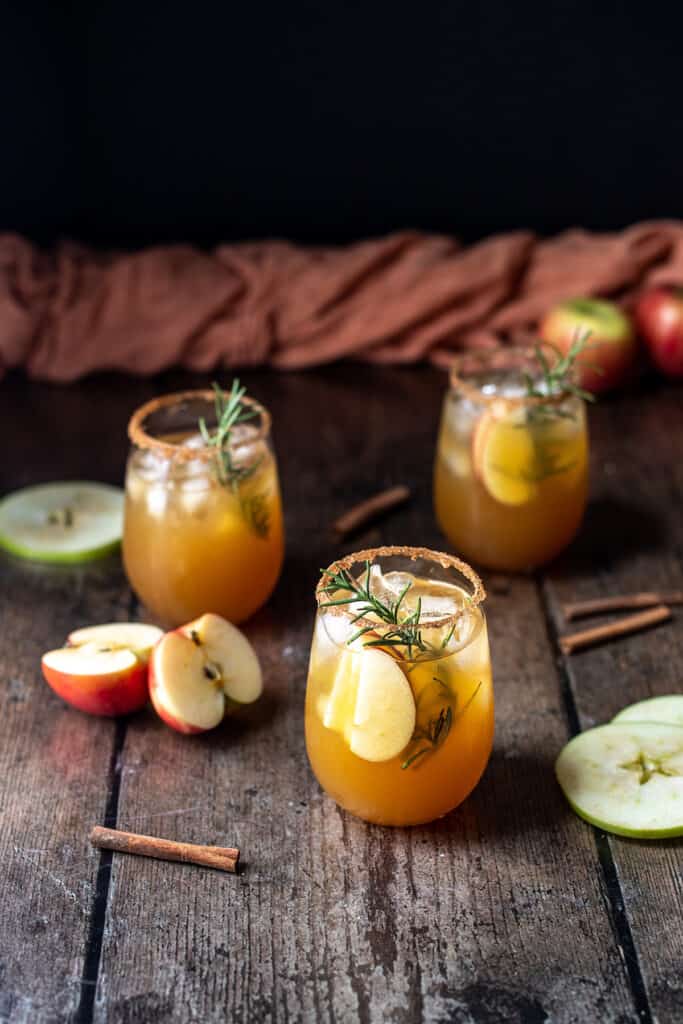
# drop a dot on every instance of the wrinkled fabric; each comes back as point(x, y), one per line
point(398, 299)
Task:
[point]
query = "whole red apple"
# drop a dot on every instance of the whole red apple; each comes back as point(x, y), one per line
point(659, 318)
point(611, 345)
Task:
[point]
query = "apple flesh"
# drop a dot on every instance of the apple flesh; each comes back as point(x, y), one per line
point(611, 346)
point(135, 636)
point(659, 318)
point(201, 672)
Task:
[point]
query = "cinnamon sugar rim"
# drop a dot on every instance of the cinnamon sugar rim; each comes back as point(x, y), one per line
point(141, 439)
point(507, 355)
point(446, 561)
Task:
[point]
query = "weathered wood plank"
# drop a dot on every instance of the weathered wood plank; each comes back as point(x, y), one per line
point(495, 913)
point(54, 762)
point(633, 540)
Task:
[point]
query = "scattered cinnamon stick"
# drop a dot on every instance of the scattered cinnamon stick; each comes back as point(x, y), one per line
point(371, 508)
point(620, 602)
point(220, 857)
point(600, 634)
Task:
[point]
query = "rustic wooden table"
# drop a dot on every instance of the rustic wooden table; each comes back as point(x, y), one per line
point(510, 909)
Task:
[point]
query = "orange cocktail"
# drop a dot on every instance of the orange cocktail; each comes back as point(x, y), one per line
point(203, 528)
point(399, 703)
point(511, 470)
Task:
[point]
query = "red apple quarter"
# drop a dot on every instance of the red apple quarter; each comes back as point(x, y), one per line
point(659, 317)
point(200, 672)
point(103, 670)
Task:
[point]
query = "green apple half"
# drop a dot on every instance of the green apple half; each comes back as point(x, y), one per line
point(668, 710)
point(627, 778)
point(62, 522)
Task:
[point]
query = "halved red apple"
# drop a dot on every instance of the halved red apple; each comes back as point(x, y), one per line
point(201, 672)
point(103, 670)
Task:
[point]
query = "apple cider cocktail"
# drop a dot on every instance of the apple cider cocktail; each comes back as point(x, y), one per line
point(399, 703)
point(511, 469)
point(203, 528)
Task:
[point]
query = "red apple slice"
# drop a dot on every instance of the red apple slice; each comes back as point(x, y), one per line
point(228, 650)
point(100, 682)
point(200, 672)
point(184, 694)
point(138, 637)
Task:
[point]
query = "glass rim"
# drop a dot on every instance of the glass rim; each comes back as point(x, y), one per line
point(141, 438)
point(503, 358)
point(441, 558)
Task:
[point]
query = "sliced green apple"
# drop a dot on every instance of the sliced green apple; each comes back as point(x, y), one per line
point(62, 522)
point(384, 715)
point(504, 457)
point(668, 710)
point(371, 705)
point(627, 778)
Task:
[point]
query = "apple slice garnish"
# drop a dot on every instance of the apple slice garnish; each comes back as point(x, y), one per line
point(371, 704)
point(138, 637)
point(504, 458)
point(626, 777)
point(200, 672)
point(97, 679)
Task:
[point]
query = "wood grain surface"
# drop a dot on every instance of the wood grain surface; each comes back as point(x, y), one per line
point(633, 540)
point(510, 909)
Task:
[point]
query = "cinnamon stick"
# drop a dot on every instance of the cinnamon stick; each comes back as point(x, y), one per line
point(221, 857)
point(600, 634)
point(371, 508)
point(620, 602)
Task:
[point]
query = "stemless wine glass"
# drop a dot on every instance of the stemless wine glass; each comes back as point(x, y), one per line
point(399, 702)
point(199, 537)
point(511, 469)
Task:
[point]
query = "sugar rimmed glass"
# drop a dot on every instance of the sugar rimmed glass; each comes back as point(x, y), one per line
point(192, 542)
point(399, 715)
point(511, 470)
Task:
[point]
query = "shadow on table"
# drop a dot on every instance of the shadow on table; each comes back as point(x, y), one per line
point(517, 794)
point(613, 531)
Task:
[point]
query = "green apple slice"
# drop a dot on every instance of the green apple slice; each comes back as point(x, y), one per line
point(668, 710)
point(384, 712)
point(627, 778)
point(62, 522)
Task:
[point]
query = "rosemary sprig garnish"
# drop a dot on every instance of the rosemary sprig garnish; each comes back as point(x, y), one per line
point(231, 410)
point(556, 379)
point(406, 631)
point(428, 738)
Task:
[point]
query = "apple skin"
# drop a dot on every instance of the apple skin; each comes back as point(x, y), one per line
point(611, 347)
point(659, 318)
point(119, 693)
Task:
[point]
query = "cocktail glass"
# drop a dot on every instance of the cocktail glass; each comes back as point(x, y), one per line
point(511, 469)
point(197, 538)
point(399, 703)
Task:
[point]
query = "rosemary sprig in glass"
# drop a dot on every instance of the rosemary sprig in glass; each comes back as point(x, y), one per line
point(428, 738)
point(556, 379)
point(405, 632)
point(231, 410)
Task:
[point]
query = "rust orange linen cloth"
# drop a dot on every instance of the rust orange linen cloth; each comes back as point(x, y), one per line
point(403, 298)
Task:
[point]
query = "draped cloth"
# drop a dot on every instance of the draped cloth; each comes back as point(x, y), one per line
point(406, 297)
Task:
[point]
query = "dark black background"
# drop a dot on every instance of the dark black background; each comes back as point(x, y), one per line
point(126, 123)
